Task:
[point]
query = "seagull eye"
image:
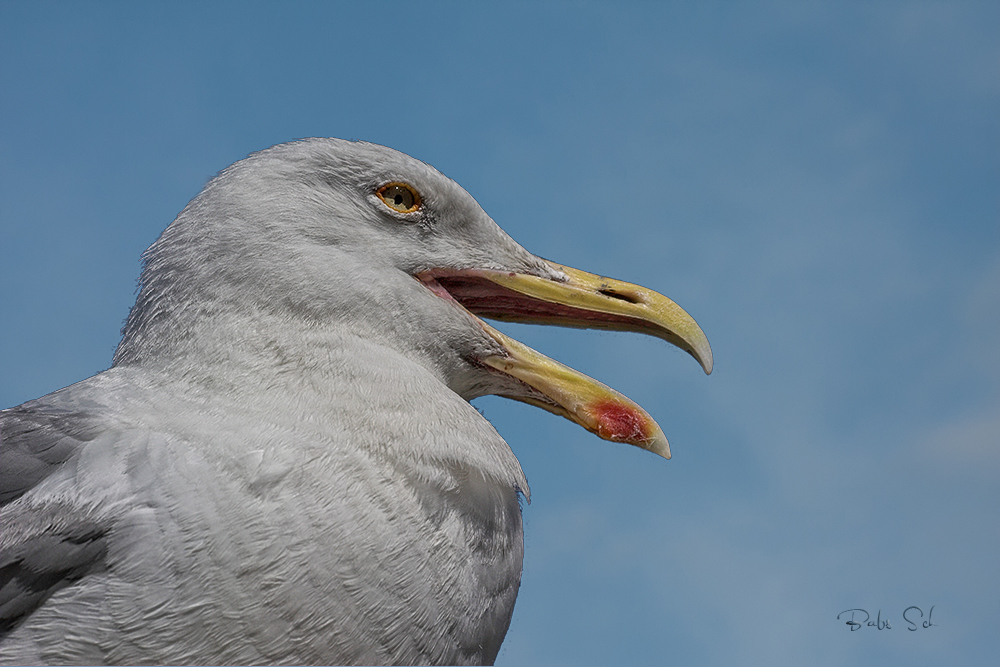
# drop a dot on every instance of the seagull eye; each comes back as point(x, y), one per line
point(400, 197)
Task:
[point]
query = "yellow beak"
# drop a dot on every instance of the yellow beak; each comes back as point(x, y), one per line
point(575, 299)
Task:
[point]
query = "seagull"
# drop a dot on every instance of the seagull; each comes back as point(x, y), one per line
point(282, 464)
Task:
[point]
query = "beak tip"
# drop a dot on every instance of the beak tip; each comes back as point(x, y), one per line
point(658, 443)
point(704, 357)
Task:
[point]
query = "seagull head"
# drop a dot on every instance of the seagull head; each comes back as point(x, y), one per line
point(356, 239)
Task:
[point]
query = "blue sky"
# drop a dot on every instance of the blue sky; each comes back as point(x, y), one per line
point(817, 184)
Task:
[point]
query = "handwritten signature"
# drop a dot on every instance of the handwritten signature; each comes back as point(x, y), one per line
point(912, 616)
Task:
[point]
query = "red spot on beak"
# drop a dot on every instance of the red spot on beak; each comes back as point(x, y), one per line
point(619, 422)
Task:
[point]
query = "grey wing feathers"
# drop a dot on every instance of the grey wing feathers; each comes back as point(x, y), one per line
point(41, 551)
point(42, 547)
point(35, 438)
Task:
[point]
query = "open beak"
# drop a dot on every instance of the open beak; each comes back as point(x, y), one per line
point(574, 299)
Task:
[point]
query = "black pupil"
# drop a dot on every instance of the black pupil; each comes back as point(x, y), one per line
point(398, 199)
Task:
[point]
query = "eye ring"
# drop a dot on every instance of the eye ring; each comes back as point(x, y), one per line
point(400, 197)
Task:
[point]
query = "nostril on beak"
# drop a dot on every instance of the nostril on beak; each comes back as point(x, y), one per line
point(628, 298)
